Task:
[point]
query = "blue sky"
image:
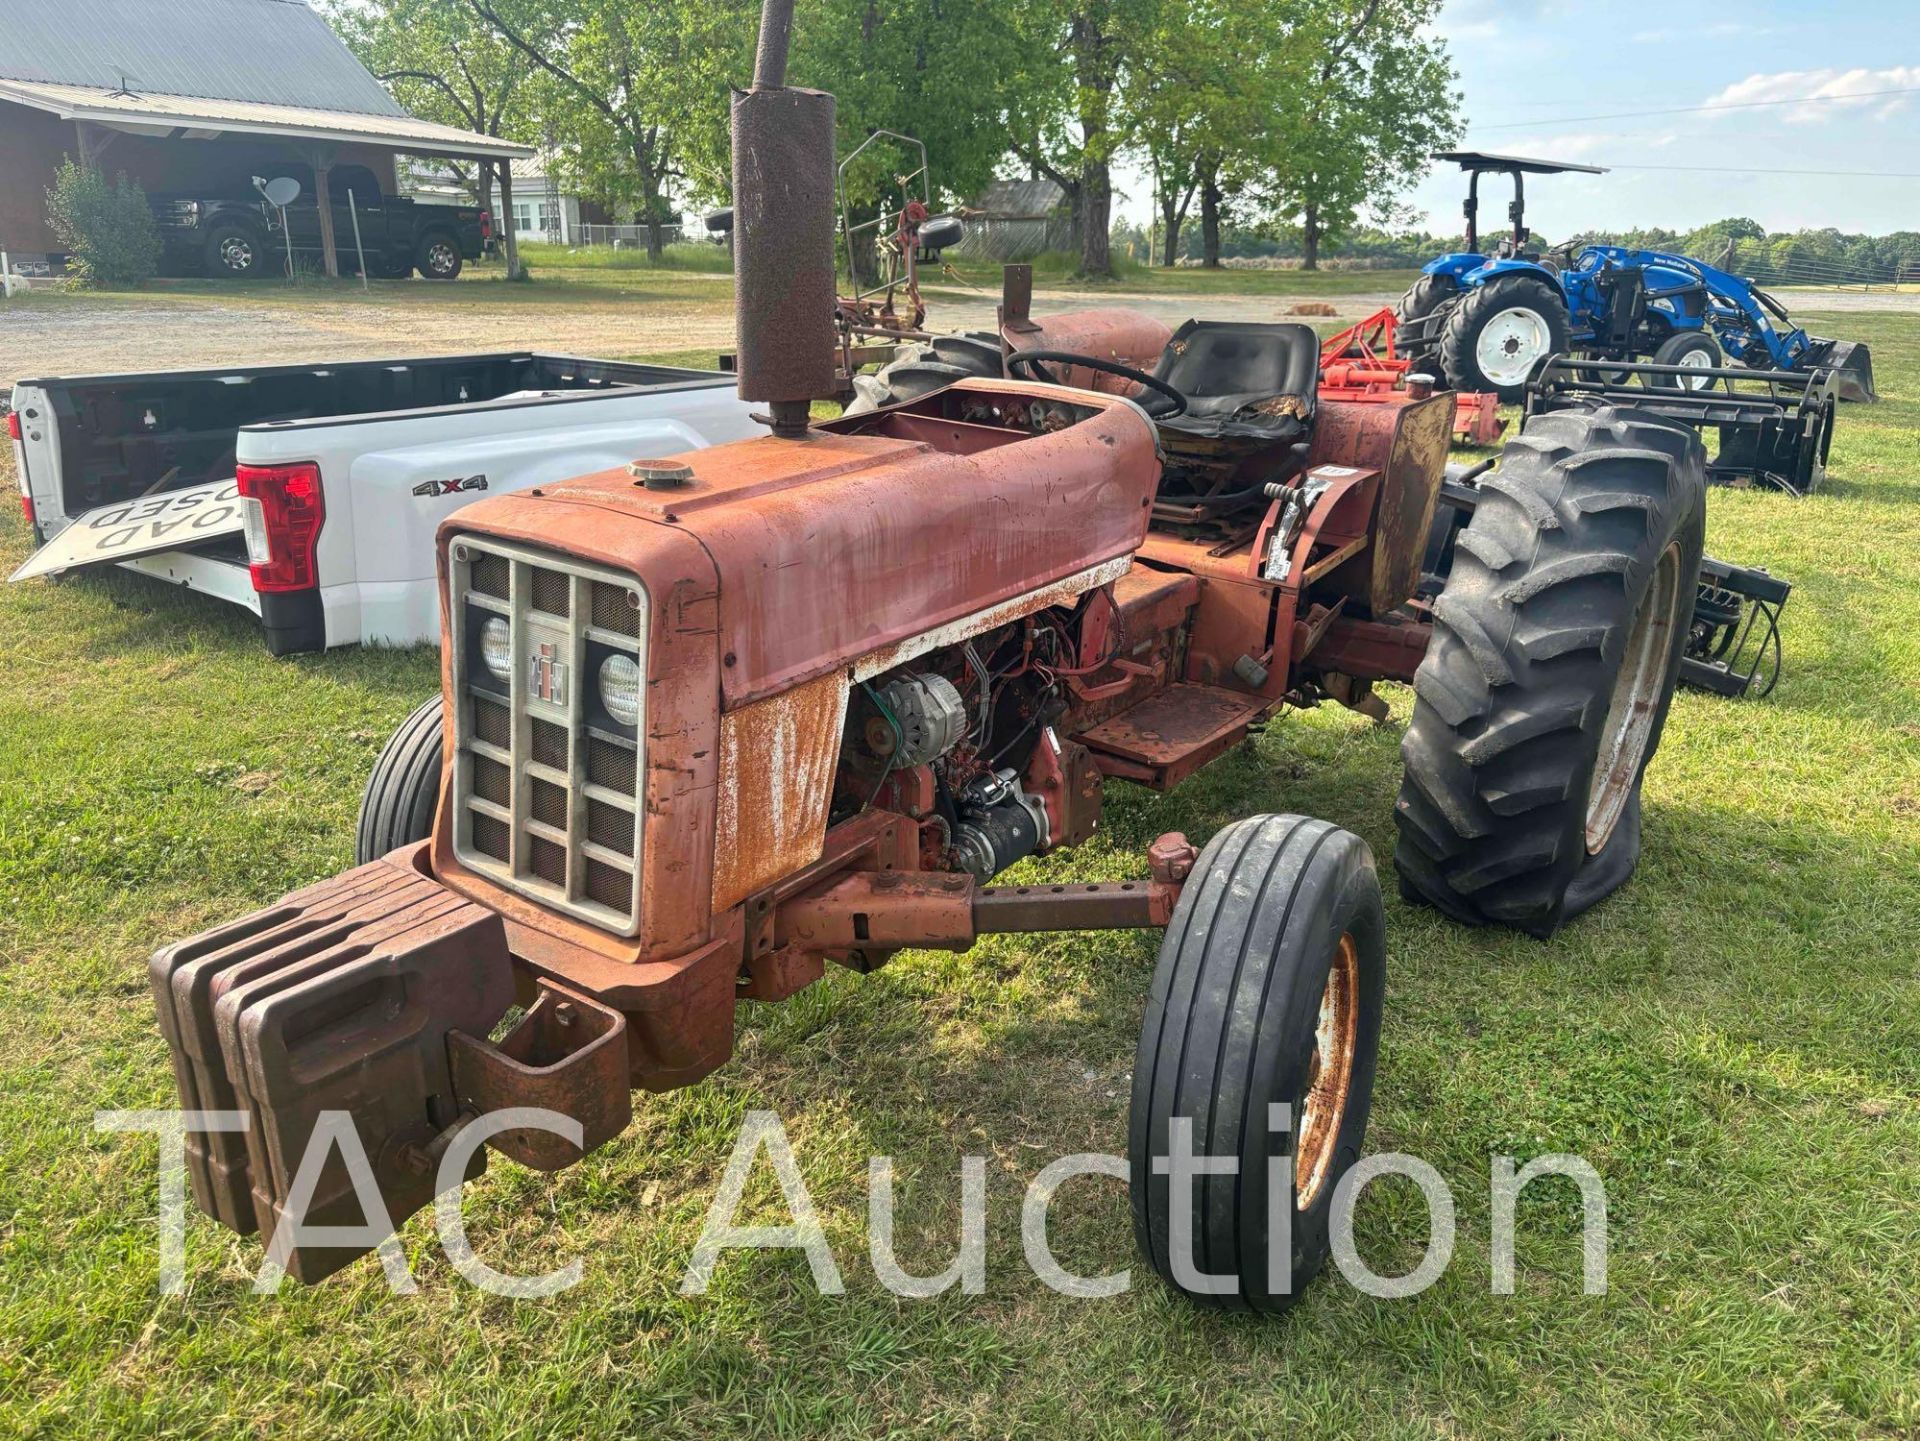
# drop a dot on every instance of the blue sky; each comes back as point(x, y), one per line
point(1530, 68)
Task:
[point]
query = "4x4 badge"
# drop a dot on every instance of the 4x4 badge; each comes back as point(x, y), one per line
point(451, 487)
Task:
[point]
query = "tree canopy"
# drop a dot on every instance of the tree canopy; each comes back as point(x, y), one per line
point(1303, 113)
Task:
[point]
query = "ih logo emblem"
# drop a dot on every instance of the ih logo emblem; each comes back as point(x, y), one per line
point(547, 674)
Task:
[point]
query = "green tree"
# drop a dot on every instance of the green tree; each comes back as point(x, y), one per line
point(1378, 100)
point(105, 225)
point(640, 90)
point(1067, 115)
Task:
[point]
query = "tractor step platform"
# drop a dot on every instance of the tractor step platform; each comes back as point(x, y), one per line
point(1169, 736)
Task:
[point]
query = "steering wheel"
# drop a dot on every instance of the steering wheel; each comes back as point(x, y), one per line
point(1164, 404)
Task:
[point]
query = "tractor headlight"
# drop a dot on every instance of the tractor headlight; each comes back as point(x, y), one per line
point(496, 648)
point(620, 688)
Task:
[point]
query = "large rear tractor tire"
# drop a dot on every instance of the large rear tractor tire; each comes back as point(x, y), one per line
point(1556, 645)
point(397, 809)
point(1422, 313)
point(922, 367)
point(1498, 332)
point(1262, 1031)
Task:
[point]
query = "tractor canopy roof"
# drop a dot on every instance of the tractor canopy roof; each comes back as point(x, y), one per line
point(1480, 160)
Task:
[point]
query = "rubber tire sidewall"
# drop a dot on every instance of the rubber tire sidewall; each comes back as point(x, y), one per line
point(1231, 1017)
point(1476, 308)
point(398, 806)
point(1683, 343)
point(426, 244)
point(1435, 747)
point(217, 268)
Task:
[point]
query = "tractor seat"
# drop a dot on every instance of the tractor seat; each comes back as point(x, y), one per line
point(1243, 379)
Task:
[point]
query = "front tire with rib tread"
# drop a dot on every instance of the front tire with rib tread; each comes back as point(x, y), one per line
point(1240, 995)
point(1530, 637)
point(397, 809)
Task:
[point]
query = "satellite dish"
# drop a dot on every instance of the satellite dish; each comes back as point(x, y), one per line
point(281, 191)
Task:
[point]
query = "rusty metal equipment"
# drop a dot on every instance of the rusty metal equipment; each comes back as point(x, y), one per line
point(783, 305)
point(1362, 364)
point(712, 722)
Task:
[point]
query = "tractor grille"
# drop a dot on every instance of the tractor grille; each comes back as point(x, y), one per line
point(546, 784)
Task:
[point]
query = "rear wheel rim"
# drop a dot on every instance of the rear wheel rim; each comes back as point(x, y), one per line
point(1323, 1110)
point(1510, 344)
point(440, 258)
point(1637, 693)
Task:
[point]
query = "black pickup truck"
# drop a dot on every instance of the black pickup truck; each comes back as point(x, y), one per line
point(236, 235)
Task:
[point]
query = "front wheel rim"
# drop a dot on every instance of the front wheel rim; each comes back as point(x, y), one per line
point(1330, 1075)
point(1637, 693)
point(1511, 343)
point(236, 254)
point(1696, 360)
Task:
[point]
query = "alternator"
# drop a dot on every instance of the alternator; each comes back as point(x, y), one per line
point(932, 717)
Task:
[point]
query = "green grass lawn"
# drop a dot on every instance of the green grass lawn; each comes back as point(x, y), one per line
point(1734, 1041)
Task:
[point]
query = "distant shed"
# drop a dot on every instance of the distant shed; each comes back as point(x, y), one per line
point(190, 96)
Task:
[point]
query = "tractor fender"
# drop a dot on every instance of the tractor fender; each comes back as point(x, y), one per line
point(1495, 269)
point(1456, 266)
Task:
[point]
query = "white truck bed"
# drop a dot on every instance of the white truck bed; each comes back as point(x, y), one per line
point(95, 452)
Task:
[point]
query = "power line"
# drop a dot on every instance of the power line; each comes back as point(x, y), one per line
point(1696, 109)
point(1763, 170)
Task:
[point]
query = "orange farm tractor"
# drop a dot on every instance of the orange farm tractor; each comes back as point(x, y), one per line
point(712, 722)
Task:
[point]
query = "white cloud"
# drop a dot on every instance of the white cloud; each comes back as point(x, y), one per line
point(1834, 91)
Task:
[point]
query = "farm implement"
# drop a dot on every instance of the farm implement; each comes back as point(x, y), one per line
point(710, 722)
point(1362, 364)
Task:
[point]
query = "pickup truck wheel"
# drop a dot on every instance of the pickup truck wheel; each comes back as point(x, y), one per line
point(397, 809)
point(1268, 994)
point(1556, 644)
point(235, 252)
point(438, 258)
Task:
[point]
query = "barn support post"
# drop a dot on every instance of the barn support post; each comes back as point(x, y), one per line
point(323, 158)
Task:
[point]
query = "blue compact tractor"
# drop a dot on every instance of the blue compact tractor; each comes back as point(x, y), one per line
point(1485, 321)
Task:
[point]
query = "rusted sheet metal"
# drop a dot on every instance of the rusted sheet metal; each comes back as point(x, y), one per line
point(1407, 443)
point(567, 1054)
point(1108, 333)
point(1177, 731)
point(1061, 592)
point(683, 666)
point(843, 545)
point(777, 760)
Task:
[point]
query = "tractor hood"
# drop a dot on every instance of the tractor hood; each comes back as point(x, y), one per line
point(859, 541)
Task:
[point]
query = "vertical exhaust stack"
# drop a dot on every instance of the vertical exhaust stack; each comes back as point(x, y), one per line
point(783, 147)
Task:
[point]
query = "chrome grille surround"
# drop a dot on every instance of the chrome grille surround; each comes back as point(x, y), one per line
point(555, 854)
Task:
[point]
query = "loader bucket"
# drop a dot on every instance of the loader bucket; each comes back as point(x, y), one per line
point(1852, 366)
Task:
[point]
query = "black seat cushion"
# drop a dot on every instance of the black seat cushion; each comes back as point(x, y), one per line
point(1240, 378)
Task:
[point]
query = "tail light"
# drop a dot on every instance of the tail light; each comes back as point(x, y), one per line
point(284, 513)
point(13, 424)
point(26, 496)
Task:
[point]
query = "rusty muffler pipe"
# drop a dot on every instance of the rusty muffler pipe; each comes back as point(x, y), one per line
point(783, 146)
